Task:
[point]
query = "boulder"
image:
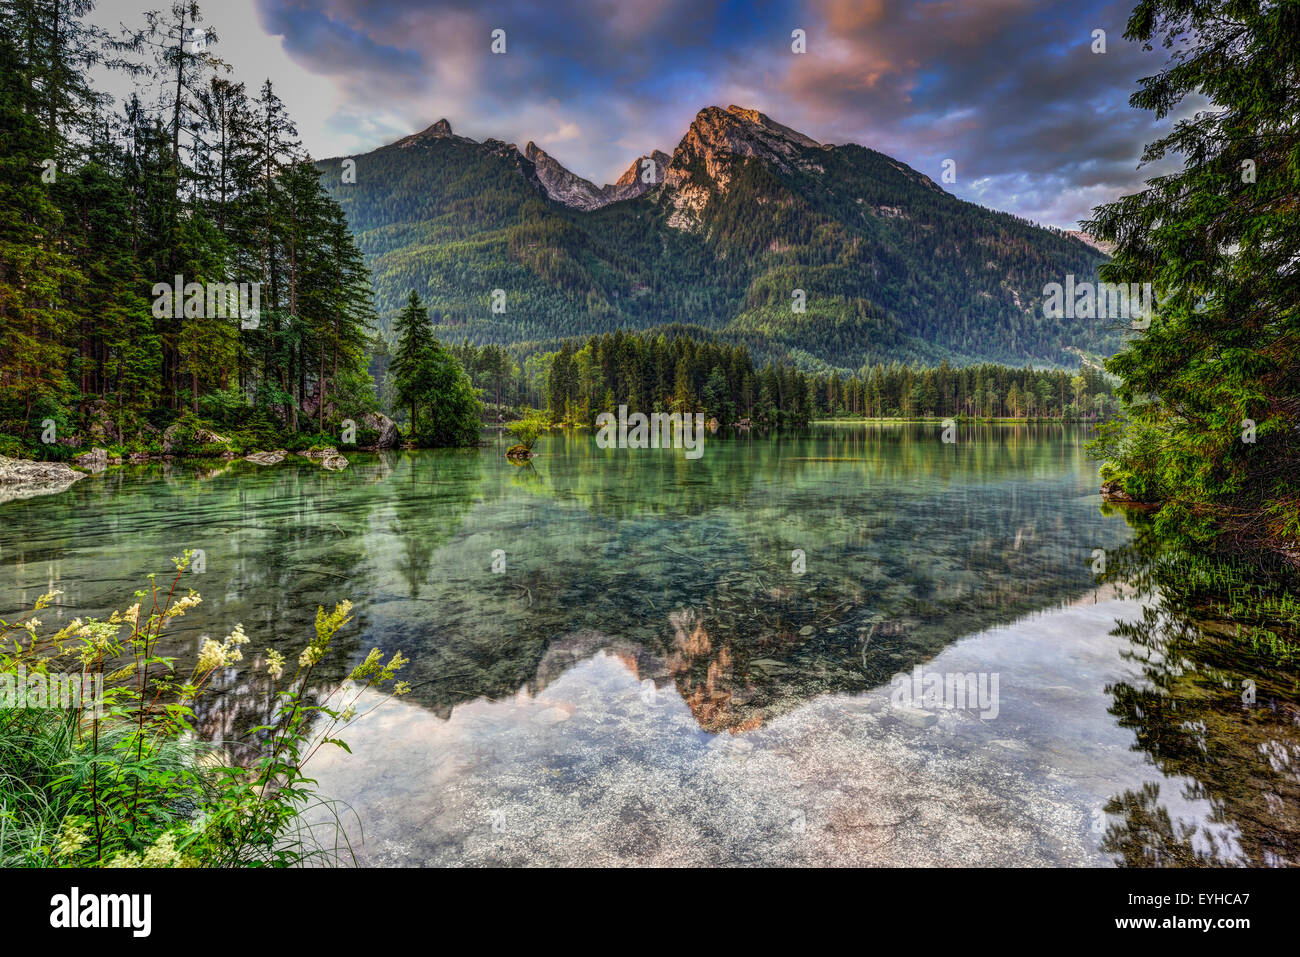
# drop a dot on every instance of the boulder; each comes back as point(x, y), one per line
point(334, 463)
point(20, 478)
point(386, 427)
point(199, 437)
point(266, 458)
point(96, 460)
point(23, 471)
point(208, 437)
point(101, 424)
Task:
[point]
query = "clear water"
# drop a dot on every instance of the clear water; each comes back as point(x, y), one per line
point(690, 661)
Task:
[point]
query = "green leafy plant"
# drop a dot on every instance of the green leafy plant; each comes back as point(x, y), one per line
point(529, 429)
point(125, 781)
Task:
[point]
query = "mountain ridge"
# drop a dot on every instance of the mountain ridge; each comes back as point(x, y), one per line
point(830, 255)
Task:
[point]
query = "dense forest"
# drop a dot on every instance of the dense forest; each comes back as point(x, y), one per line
point(176, 257)
point(672, 371)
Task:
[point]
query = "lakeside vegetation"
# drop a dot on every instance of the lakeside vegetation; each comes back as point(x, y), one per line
point(679, 373)
point(1211, 390)
point(174, 264)
point(121, 780)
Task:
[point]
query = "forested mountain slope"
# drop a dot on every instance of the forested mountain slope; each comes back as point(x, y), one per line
point(745, 213)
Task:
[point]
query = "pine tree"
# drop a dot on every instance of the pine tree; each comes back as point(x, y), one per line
point(34, 271)
point(414, 346)
point(1219, 240)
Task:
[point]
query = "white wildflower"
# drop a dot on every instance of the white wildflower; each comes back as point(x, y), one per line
point(274, 664)
point(211, 655)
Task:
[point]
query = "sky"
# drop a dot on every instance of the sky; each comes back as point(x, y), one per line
point(1037, 123)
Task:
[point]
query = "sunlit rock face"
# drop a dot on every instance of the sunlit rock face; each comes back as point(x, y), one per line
point(716, 137)
point(702, 165)
point(707, 158)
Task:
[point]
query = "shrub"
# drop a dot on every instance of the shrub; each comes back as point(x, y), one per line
point(529, 429)
point(128, 783)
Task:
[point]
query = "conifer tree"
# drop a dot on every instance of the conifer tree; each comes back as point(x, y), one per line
point(1212, 386)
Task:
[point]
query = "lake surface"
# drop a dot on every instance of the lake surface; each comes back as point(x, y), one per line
point(683, 661)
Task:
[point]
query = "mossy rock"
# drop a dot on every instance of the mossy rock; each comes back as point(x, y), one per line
point(519, 453)
point(1114, 493)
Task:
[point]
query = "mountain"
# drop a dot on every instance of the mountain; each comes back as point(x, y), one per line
point(572, 190)
point(826, 255)
point(1091, 240)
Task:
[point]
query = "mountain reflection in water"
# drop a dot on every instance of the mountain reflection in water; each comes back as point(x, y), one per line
point(650, 679)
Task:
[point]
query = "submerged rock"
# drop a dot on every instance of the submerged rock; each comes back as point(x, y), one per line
point(915, 717)
point(266, 458)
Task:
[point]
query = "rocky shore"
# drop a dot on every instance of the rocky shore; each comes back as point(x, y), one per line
point(21, 479)
point(24, 478)
point(1114, 493)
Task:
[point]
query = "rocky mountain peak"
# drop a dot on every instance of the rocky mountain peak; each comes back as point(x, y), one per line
point(771, 127)
point(716, 136)
point(745, 132)
point(702, 162)
point(635, 173)
point(715, 140)
point(570, 189)
point(562, 185)
point(438, 131)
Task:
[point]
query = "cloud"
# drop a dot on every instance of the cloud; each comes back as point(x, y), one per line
point(566, 131)
point(1037, 123)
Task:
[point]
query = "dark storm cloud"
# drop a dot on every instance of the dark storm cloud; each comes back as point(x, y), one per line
point(1010, 89)
point(340, 46)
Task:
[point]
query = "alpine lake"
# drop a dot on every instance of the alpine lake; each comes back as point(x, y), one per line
point(757, 656)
